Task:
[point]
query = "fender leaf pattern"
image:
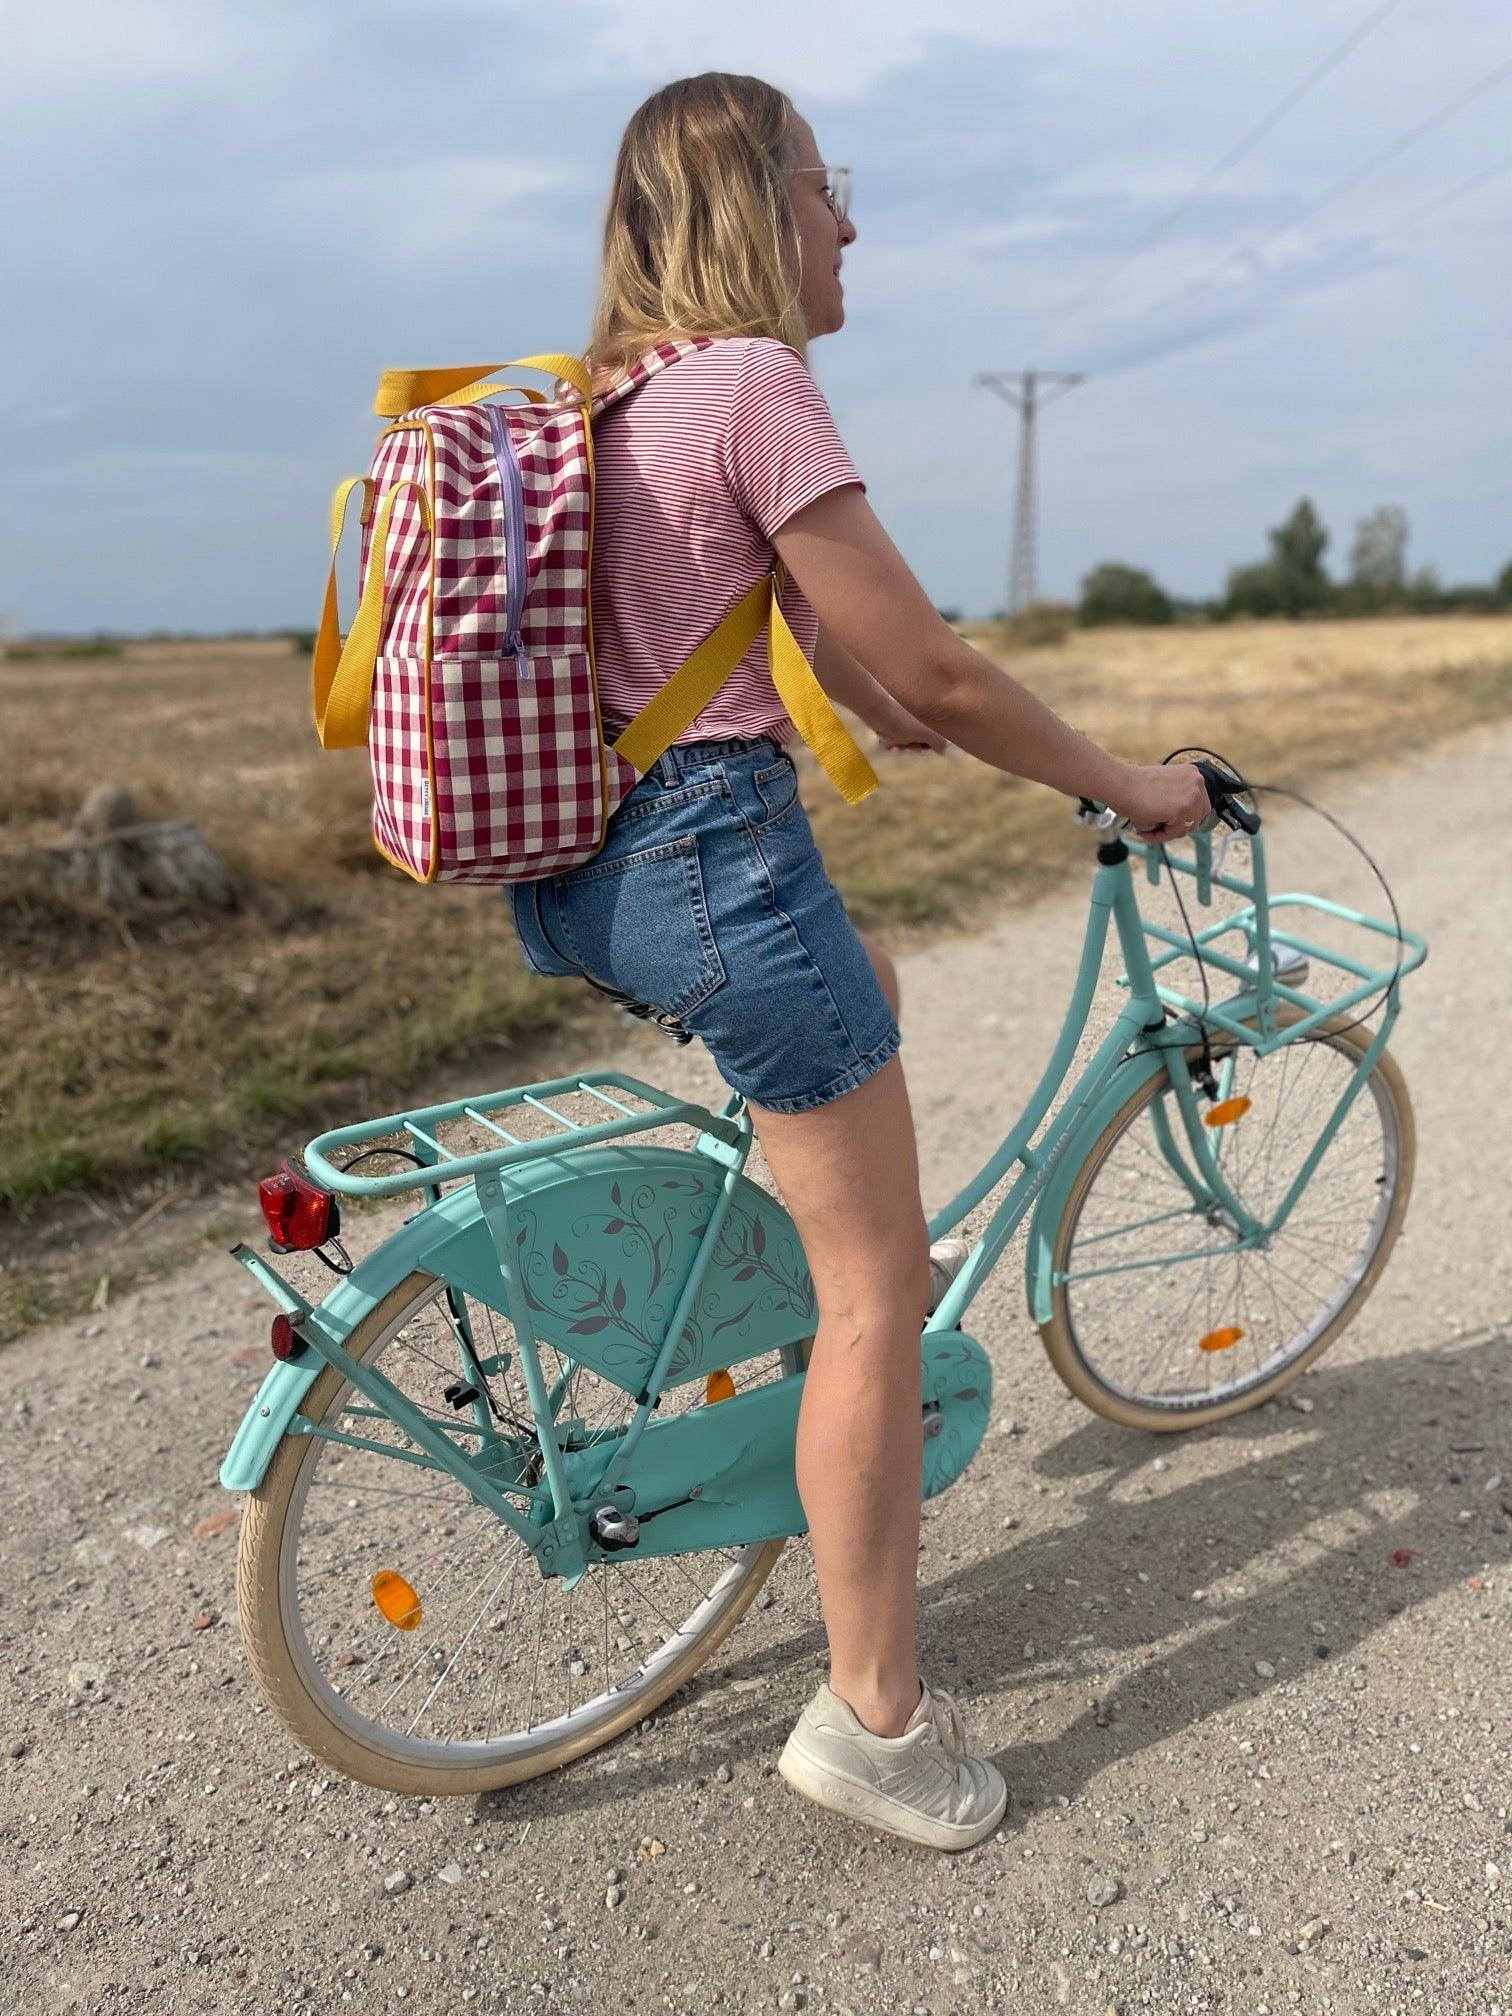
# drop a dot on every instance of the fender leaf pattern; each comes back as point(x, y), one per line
point(617, 1278)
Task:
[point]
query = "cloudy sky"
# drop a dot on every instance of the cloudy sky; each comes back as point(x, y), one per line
point(219, 220)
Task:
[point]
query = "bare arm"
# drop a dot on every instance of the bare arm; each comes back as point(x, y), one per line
point(868, 599)
point(847, 680)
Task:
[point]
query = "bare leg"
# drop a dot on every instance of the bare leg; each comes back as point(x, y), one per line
point(848, 1174)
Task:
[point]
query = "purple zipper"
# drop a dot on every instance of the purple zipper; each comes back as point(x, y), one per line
point(513, 486)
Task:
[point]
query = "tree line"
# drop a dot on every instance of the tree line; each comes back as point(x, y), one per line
point(1292, 579)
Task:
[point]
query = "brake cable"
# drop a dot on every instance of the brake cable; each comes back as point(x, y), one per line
point(1280, 791)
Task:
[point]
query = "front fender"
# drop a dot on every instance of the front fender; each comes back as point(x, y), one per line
point(1132, 1074)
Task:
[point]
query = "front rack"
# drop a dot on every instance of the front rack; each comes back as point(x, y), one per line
point(1255, 966)
point(421, 1130)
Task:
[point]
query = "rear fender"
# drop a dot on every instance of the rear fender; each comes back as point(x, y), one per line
point(413, 1247)
point(621, 1222)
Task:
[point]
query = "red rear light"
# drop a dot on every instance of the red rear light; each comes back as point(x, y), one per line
point(299, 1215)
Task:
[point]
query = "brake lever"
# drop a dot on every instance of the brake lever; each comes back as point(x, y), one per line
point(1222, 793)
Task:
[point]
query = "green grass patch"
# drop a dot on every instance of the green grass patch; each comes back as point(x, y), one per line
point(31, 649)
point(34, 1173)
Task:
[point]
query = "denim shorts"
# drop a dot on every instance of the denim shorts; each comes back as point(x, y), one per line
point(709, 912)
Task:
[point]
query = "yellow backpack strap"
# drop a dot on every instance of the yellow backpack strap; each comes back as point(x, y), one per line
point(693, 685)
point(344, 695)
point(809, 708)
point(328, 636)
point(464, 384)
point(695, 682)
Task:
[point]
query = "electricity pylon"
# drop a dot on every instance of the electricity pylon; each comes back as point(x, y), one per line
point(1027, 391)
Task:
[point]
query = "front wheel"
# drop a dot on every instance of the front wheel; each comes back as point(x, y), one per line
point(1160, 1318)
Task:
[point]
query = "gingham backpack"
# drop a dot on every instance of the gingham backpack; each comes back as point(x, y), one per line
point(468, 671)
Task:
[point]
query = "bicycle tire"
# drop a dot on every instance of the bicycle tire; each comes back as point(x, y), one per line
point(1059, 1335)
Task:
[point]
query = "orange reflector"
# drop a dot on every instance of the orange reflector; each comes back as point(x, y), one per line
point(396, 1599)
point(719, 1386)
point(1220, 1340)
point(1226, 1112)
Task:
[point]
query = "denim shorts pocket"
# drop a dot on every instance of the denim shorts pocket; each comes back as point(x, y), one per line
point(777, 788)
point(658, 800)
point(640, 923)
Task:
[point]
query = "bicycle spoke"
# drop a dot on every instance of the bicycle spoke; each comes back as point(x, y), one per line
point(446, 1671)
point(1137, 1326)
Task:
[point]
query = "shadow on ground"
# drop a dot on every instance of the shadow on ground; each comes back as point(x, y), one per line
point(1414, 1429)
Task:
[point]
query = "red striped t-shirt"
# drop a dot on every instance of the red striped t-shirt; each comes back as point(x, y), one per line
point(692, 476)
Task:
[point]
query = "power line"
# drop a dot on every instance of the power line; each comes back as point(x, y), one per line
point(1411, 220)
point(1445, 197)
point(1246, 145)
point(1026, 391)
point(1392, 151)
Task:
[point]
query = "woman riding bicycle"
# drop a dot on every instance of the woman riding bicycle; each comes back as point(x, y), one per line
point(724, 222)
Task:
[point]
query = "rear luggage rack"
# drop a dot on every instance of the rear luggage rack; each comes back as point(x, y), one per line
point(419, 1131)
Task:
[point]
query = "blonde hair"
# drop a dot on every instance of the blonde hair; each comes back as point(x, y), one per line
point(700, 238)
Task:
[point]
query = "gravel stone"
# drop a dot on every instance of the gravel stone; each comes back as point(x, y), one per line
point(88, 1681)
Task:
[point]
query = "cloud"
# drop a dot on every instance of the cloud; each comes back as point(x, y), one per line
point(837, 54)
point(415, 212)
point(70, 52)
point(223, 217)
point(25, 419)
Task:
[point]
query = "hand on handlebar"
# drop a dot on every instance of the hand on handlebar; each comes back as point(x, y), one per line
point(1164, 801)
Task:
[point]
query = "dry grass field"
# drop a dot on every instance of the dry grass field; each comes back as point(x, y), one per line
point(141, 1053)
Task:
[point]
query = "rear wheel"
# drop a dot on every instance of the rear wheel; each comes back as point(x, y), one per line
point(493, 1673)
point(1159, 1317)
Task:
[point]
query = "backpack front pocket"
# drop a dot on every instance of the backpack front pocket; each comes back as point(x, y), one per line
point(519, 781)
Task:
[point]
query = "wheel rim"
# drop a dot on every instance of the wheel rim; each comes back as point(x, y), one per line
point(504, 1663)
point(1139, 1332)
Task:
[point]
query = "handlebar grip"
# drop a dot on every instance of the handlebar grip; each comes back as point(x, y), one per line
point(1223, 796)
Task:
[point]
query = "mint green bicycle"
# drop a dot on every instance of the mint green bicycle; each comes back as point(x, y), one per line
point(525, 1466)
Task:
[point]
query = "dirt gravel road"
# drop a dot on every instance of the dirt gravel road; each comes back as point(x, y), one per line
point(1216, 1695)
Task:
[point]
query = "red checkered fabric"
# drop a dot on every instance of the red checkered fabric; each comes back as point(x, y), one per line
point(490, 766)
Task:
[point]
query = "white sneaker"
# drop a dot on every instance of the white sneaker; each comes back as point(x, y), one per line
point(946, 1259)
point(921, 1785)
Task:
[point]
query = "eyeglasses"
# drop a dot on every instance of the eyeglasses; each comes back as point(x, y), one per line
point(837, 189)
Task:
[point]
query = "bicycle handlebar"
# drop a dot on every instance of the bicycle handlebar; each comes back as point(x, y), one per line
point(1223, 796)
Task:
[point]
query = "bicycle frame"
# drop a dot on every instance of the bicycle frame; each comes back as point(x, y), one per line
point(1142, 1041)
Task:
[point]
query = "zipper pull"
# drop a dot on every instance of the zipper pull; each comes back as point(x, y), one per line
point(514, 647)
